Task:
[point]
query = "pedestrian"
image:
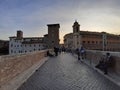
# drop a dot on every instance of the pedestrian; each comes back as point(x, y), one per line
point(78, 53)
point(82, 52)
point(56, 51)
point(104, 63)
point(107, 63)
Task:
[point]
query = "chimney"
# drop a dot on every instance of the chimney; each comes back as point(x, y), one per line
point(19, 34)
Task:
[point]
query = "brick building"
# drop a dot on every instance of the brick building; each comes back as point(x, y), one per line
point(91, 40)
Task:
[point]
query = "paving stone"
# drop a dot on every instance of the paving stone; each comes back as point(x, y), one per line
point(65, 72)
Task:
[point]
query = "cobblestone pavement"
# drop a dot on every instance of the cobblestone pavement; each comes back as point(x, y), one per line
point(64, 72)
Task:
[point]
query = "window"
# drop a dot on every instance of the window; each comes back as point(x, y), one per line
point(83, 41)
point(11, 45)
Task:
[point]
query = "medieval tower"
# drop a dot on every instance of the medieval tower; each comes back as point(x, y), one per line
point(53, 35)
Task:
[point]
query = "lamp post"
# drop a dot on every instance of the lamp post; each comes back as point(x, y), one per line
point(104, 41)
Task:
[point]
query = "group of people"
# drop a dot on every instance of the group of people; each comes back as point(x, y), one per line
point(105, 62)
point(56, 51)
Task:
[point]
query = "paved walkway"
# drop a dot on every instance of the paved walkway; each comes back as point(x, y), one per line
point(64, 72)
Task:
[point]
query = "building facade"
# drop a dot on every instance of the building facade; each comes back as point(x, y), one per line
point(19, 44)
point(91, 40)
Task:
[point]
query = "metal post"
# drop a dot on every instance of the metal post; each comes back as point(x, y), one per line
point(104, 41)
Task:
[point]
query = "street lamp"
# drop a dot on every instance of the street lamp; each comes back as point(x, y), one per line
point(104, 41)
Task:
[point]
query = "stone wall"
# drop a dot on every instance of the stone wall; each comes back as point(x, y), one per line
point(94, 57)
point(13, 66)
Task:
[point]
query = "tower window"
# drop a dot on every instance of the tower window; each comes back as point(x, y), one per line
point(83, 41)
point(11, 45)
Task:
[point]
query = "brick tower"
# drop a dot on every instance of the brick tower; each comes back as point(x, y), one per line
point(53, 35)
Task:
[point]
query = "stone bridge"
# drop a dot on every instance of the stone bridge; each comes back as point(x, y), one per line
point(36, 71)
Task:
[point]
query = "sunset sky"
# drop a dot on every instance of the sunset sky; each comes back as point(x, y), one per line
point(32, 16)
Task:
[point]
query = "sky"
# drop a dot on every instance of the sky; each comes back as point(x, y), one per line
point(32, 16)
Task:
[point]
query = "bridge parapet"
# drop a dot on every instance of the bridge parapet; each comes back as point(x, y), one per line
point(12, 66)
point(94, 56)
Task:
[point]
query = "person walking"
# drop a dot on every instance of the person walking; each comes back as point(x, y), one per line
point(56, 51)
point(82, 52)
